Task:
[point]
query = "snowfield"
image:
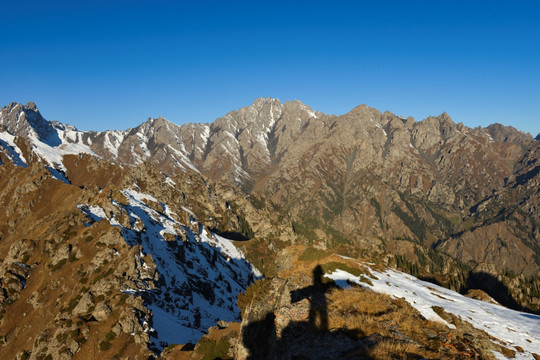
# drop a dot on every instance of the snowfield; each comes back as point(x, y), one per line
point(50, 153)
point(512, 328)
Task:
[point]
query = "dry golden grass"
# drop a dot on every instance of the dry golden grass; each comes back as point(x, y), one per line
point(391, 349)
point(306, 264)
point(397, 329)
point(359, 300)
point(357, 309)
point(367, 313)
point(509, 353)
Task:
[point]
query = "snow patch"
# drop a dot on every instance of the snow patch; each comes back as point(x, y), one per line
point(170, 182)
point(205, 134)
point(12, 151)
point(59, 175)
point(380, 127)
point(513, 327)
point(183, 159)
point(113, 140)
point(53, 155)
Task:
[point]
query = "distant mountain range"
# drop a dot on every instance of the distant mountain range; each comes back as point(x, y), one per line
point(362, 173)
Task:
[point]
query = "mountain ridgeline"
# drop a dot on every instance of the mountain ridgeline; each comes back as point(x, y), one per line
point(443, 201)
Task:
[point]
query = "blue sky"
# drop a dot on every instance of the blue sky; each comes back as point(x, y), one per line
point(110, 65)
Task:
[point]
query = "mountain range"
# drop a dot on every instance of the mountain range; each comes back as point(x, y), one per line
point(362, 173)
point(454, 204)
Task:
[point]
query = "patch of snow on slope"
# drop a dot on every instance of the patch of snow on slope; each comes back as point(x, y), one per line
point(170, 182)
point(226, 247)
point(71, 135)
point(113, 140)
point(513, 327)
point(94, 212)
point(188, 211)
point(12, 151)
point(136, 157)
point(240, 174)
point(183, 158)
point(142, 140)
point(380, 127)
point(200, 273)
point(53, 155)
point(205, 134)
point(59, 175)
point(139, 197)
point(310, 112)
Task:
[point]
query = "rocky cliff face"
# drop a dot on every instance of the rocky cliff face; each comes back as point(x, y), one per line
point(369, 173)
point(504, 227)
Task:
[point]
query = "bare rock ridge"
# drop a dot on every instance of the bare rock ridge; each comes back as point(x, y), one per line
point(26, 121)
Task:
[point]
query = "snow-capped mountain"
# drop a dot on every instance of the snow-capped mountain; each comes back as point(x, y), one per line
point(157, 141)
point(236, 146)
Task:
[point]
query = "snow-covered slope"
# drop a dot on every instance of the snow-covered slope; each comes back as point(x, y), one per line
point(512, 328)
point(200, 273)
point(11, 150)
point(48, 141)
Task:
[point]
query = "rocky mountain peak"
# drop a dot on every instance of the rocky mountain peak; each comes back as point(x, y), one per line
point(445, 117)
point(447, 125)
point(501, 133)
point(366, 112)
point(434, 130)
point(31, 106)
point(300, 109)
point(26, 120)
point(266, 101)
point(159, 120)
point(436, 121)
point(159, 127)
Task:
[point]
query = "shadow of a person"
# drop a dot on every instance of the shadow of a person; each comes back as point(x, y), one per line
point(318, 315)
point(296, 332)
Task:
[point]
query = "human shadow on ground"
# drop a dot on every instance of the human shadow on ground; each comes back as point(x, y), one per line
point(316, 294)
point(304, 337)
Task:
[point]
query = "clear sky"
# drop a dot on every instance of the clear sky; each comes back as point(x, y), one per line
point(112, 64)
